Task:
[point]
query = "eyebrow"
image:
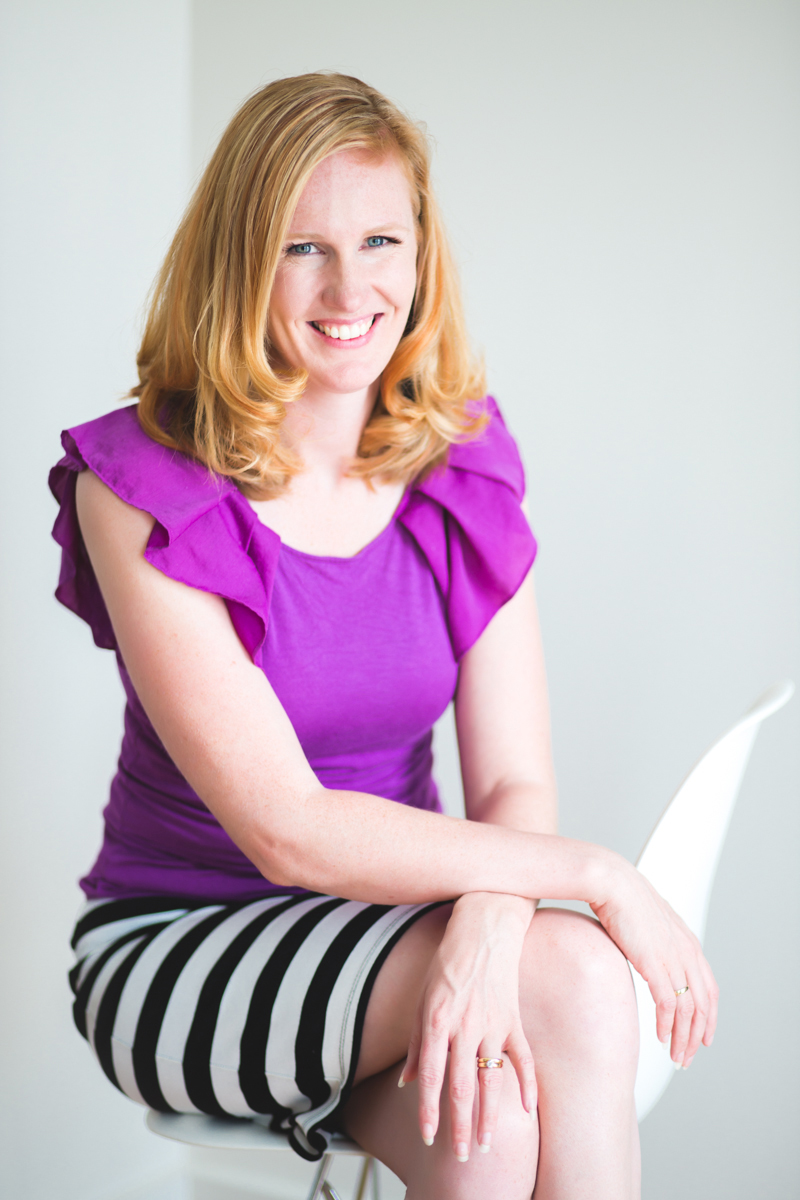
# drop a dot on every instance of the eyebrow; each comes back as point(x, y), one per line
point(378, 229)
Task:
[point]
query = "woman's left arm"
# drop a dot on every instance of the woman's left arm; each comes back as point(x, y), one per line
point(470, 1001)
point(503, 721)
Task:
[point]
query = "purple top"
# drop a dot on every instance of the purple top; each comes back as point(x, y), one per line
point(362, 652)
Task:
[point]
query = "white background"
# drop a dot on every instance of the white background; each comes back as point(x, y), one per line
point(622, 184)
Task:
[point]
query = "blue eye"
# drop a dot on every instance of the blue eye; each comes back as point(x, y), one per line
point(377, 240)
point(301, 249)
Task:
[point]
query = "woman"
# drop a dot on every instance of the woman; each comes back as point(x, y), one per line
point(302, 542)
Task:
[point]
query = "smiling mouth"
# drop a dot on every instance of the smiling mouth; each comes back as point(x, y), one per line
point(345, 333)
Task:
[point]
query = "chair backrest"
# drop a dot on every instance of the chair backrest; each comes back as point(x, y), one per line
point(681, 855)
point(680, 859)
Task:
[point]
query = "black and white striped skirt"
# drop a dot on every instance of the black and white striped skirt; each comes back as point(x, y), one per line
point(247, 1010)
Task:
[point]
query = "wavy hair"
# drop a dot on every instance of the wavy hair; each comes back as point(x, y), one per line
point(208, 384)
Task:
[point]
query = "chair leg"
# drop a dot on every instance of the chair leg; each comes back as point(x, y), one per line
point(368, 1171)
point(322, 1174)
point(322, 1190)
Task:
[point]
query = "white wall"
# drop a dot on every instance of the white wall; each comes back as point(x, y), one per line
point(94, 153)
point(623, 186)
point(622, 183)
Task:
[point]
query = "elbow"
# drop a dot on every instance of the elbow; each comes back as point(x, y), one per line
point(275, 872)
point(277, 862)
point(284, 852)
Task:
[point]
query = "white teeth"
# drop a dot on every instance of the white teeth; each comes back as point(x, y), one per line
point(345, 333)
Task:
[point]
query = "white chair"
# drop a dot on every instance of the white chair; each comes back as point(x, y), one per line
point(219, 1133)
point(679, 858)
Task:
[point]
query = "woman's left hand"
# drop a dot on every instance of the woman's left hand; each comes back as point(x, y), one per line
point(470, 1006)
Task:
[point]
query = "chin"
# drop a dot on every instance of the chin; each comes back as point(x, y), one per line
point(353, 378)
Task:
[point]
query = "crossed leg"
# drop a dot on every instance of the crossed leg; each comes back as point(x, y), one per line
point(579, 1013)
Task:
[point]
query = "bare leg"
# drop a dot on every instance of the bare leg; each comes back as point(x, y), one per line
point(383, 1119)
point(579, 1013)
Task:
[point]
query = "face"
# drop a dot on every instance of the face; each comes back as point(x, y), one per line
point(347, 272)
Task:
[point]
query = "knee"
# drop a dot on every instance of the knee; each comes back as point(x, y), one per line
point(576, 977)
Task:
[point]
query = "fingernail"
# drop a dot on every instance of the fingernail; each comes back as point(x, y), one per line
point(485, 1144)
point(677, 1065)
point(664, 1037)
point(686, 1065)
point(401, 1082)
point(462, 1152)
point(427, 1135)
point(710, 1041)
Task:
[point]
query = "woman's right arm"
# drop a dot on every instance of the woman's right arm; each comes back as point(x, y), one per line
point(224, 728)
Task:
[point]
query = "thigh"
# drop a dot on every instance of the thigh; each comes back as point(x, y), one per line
point(384, 1120)
point(230, 1009)
point(570, 971)
point(393, 1001)
point(579, 1013)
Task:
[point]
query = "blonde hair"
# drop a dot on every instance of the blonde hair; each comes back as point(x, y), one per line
point(207, 384)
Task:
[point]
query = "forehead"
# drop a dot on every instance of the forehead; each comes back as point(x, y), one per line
point(354, 188)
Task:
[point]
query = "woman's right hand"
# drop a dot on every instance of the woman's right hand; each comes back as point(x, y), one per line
point(469, 1007)
point(668, 956)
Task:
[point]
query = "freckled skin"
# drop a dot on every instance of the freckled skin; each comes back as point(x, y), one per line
point(350, 254)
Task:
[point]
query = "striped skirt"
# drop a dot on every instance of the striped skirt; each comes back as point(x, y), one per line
point(247, 1010)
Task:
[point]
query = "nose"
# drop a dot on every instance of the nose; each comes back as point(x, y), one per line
point(347, 287)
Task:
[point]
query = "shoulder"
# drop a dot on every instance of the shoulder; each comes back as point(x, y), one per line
point(171, 486)
point(104, 517)
point(193, 526)
point(467, 520)
point(493, 454)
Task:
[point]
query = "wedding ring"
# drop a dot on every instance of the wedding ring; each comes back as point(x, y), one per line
point(489, 1063)
point(680, 991)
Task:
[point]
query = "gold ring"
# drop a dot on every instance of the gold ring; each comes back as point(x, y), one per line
point(490, 1063)
point(680, 991)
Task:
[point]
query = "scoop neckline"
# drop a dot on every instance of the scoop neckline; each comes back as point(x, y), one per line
point(341, 558)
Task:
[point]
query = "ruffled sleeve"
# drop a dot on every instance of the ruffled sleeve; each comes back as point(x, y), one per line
point(467, 521)
point(205, 534)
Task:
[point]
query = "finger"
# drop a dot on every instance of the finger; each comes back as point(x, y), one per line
point(666, 1002)
point(411, 1065)
point(699, 994)
point(463, 1058)
point(706, 995)
point(684, 1011)
point(490, 1085)
point(431, 1065)
point(521, 1058)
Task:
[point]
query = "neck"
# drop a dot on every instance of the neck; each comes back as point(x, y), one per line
point(324, 428)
